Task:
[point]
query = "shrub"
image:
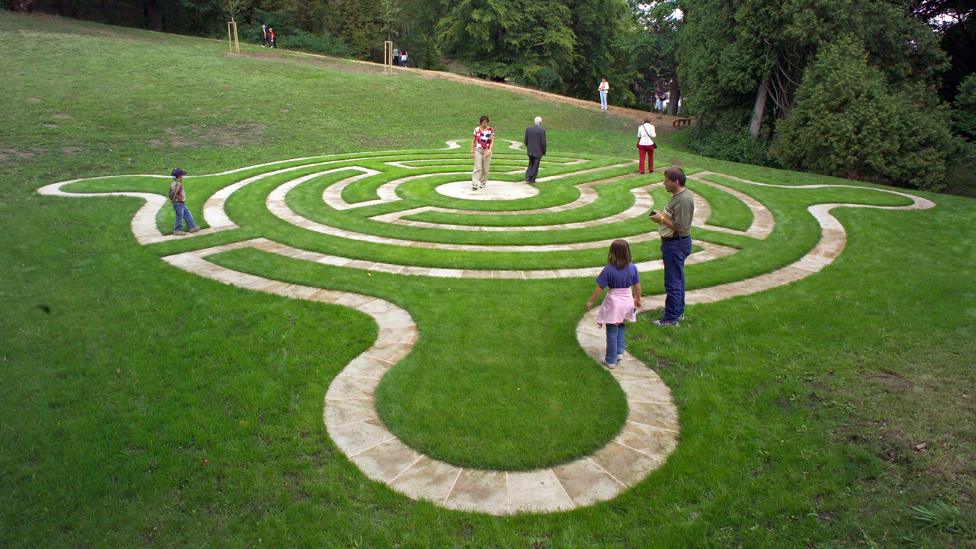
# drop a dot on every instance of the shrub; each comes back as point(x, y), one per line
point(847, 122)
point(733, 145)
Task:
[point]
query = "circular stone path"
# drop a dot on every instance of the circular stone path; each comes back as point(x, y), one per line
point(494, 190)
point(651, 430)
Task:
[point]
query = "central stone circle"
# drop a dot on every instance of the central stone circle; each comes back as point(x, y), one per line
point(494, 190)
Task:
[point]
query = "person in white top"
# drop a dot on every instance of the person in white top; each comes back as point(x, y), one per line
point(604, 88)
point(645, 144)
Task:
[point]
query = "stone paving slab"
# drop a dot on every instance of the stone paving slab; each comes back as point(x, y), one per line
point(349, 387)
point(626, 465)
point(537, 492)
point(427, 479)
point(656, 414)
point(480, 491)
point(587, 483)
point(364, 366)
point(353, 438)
point(650, 441)
point(386, 461)
point(344, 412)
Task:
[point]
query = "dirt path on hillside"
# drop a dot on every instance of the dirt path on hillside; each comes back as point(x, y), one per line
point(663, 123)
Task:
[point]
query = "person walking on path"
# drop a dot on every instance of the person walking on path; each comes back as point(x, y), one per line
point(535, 145)
point(177, 195)
point(396, 56)
point(622, 301)
point(264, 35)
point(404, 58)
point(675, 230)
point(273, 37)
point(604, 89)
point(645, 144)
point(481, 145)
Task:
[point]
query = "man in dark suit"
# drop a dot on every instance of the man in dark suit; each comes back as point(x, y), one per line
point(535, 145)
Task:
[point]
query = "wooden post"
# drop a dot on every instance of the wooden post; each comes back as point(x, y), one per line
point(387, 56)
point(232, 41)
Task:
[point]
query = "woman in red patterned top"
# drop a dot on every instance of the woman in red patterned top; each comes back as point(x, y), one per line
point(484, 140)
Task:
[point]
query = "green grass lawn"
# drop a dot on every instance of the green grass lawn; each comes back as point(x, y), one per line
point(142, 404)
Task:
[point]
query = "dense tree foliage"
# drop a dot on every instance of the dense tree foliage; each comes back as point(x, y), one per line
point(850, 121)
point(760, 64)
point(964, 114)
point(524, 40)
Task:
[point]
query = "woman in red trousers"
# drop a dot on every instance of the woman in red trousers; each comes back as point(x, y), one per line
point(645, 145)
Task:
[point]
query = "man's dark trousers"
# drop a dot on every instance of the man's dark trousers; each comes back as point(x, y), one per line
point(674, 252)
point(533, 169)
point(535, 146)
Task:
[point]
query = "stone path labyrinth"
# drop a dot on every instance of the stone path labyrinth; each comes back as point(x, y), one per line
point(413, 214)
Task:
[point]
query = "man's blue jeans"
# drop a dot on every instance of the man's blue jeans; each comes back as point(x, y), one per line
point(182, 213)
point(674, 252)
point(603, 100)
point(615, 342)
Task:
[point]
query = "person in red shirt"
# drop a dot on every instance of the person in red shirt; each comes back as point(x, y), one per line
point(481, 145)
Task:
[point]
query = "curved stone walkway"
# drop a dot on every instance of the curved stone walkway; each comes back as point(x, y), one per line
point(144, 221)
point(387, 192)
point(648, 436)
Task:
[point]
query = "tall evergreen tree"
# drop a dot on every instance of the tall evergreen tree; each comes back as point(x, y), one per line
point(525, 40)
point(597, 26)
point(359, 24)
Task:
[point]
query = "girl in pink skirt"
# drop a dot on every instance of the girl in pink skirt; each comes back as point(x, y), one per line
point(622, 301)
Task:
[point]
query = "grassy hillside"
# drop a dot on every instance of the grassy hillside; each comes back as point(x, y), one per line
point(142, 404)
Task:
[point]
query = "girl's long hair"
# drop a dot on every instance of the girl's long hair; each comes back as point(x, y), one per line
point(619, 255)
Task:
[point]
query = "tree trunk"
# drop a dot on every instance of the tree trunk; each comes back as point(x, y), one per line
point(760, 108)
point(675, 96)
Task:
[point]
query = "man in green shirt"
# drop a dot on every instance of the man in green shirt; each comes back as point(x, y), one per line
point(675, 231)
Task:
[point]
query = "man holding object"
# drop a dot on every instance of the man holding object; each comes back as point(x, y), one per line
point(675, 230)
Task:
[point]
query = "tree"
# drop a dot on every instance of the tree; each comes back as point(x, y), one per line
point(358, 23)
point(389, 16)
point(660, 25)
point(597, 27)
point(850, 121)
point(420, 24)
point(233, 8)
point(964, 111)
point(524, 40)
point(736, 56)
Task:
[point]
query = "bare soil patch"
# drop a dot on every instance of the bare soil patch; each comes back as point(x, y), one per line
point(10, 155)
point(891, 381)
point(223, 135)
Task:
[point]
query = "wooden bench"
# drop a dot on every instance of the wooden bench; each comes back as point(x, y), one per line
point(679, 122)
